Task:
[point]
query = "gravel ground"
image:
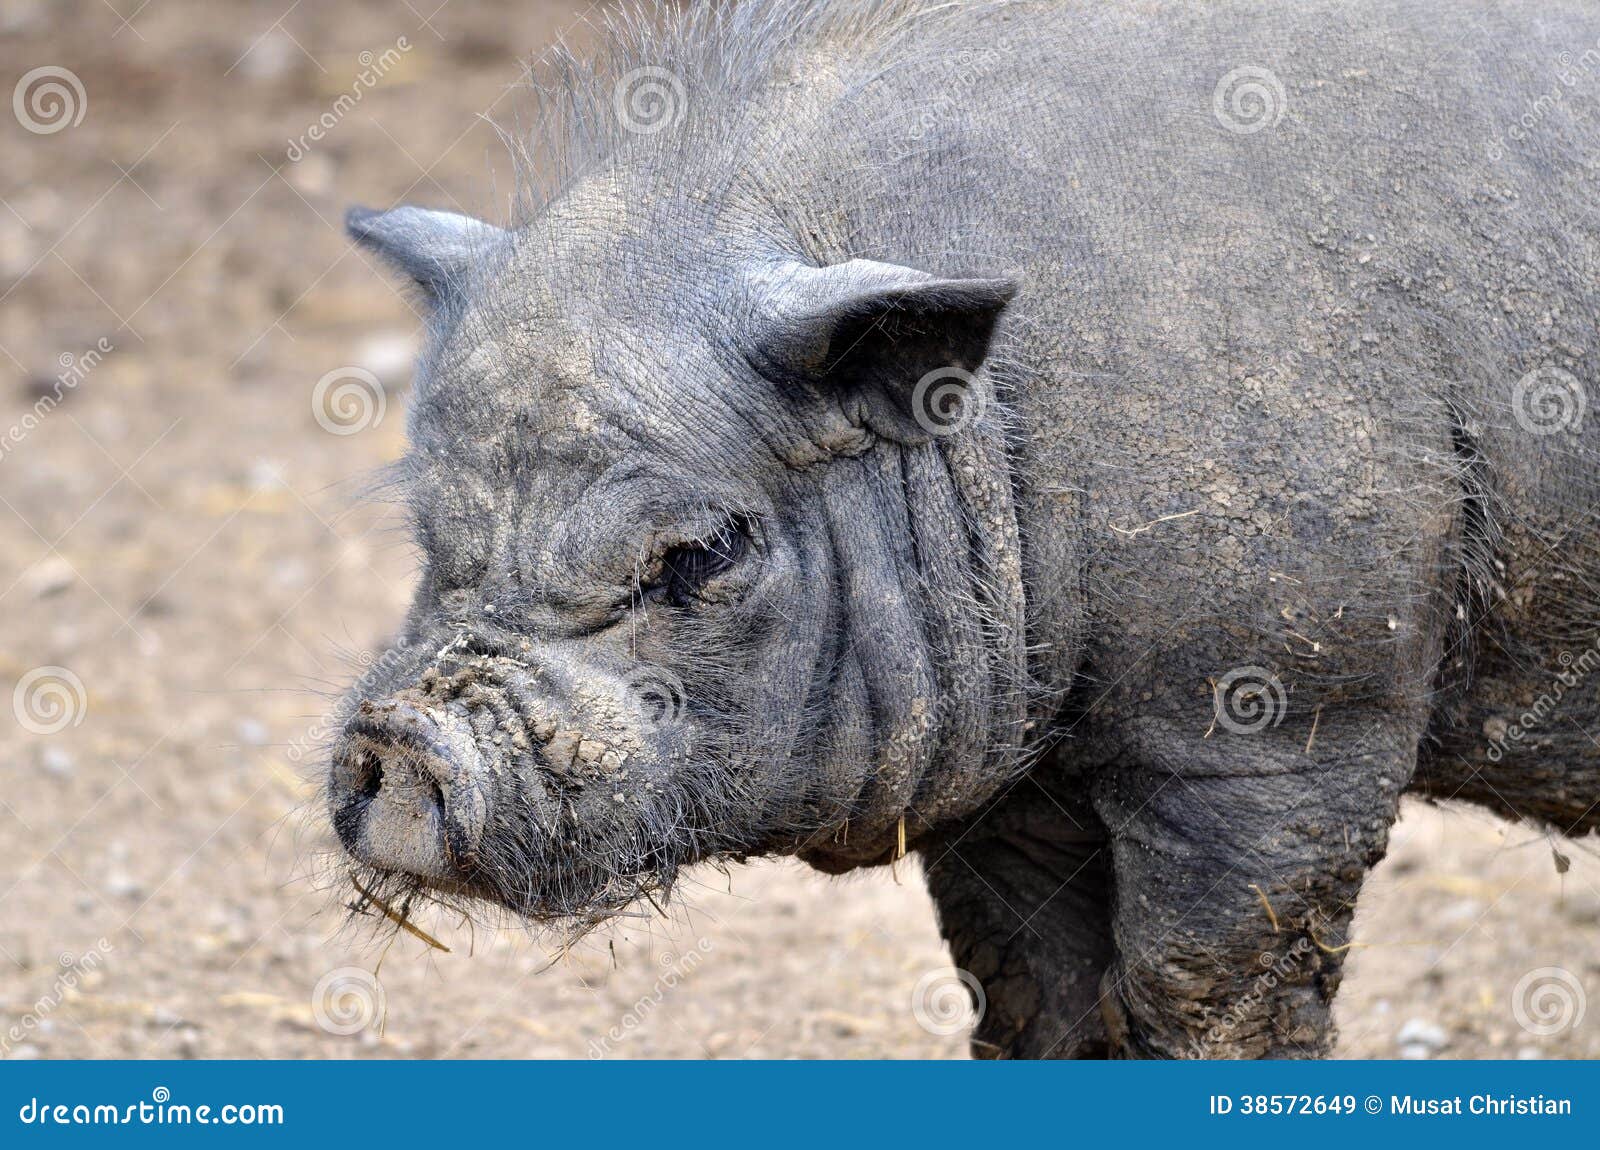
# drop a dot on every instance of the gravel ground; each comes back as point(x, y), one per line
point(189, 568)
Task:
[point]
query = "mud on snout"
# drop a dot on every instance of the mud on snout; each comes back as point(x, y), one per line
point(545, 784)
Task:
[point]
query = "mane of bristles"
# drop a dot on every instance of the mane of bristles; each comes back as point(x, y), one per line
point(725, 55)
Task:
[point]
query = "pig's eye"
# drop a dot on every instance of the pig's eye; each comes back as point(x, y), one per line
point(686, 569)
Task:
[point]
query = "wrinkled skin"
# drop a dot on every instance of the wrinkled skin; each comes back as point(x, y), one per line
point(707, 576)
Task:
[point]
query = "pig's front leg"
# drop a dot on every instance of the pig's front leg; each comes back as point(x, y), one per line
point(1023, 896)
point(1237, 861)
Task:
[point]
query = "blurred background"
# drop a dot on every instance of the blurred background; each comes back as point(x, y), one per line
point(198, 376)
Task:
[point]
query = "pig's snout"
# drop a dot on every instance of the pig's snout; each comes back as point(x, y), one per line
point(410, 790)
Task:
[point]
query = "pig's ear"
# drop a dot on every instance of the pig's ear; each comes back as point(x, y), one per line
point(898, 345)
point(435, 249)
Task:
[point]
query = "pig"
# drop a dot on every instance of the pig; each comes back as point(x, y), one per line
point(1110, 451)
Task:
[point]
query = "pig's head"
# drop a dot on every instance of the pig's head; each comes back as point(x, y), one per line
point(702, 574)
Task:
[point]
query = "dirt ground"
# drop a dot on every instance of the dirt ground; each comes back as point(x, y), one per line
point(188, 571)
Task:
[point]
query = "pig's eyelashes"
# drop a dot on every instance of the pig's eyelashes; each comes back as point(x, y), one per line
point(687, 568)
point(691, 566)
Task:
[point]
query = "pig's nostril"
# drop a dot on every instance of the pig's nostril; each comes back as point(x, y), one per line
point(369, 775)
point(409, 789)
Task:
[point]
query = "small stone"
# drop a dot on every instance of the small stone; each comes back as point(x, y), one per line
point(289, 572)
point(268, 57)
point(1466, 910)
point(265, 475)
point(389, 355)
point(122, 885)
point(56, 761)
point(50, 577)
point(21, 15)
point(1419, 1032)
point(313, 174)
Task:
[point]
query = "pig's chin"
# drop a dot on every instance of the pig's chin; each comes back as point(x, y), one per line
point(557, 791)
point(556, 854)
point(570, 880)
